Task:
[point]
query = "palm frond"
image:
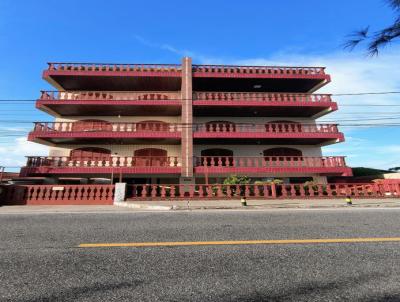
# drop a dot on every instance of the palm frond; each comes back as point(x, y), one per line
point(379, 41)
point(395, 4)
point(360, 34)
point(392, 29)
point(384, 37)
point(351, 44)
point(356, 38)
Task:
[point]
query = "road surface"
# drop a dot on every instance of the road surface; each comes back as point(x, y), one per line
point(216, 258)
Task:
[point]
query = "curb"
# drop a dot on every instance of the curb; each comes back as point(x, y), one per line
point(125, 204)
point(250, 207)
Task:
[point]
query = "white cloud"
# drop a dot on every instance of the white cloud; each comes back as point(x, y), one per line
point(13, 154)
point(203, 59)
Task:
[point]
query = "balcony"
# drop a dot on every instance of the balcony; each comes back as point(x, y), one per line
point(271, 165)
point(270, 133)
point(258, 78)
point(261, 104)
point(116, 77)
point(100, 103)
point(101, 132)
point(42, 165)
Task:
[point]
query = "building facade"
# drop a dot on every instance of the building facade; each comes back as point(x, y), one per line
point(184, 123)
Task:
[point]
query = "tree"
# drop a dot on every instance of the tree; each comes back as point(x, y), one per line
point(377, 39)
point(236, 180)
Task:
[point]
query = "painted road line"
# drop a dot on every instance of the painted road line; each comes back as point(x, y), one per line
point(241, 242)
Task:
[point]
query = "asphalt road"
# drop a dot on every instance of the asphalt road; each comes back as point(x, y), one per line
point(40, 259)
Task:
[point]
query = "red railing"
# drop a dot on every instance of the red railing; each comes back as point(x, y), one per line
point(101, 67)
point(266, 70)
point(103, 126)
point(58, 194)
point(107, 96)
point(268, 127)
point(262, 97)
point(96, 126)
point(269, 161)
point(264, 191)
point(96, 162)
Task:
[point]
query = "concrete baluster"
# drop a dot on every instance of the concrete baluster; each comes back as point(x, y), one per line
point(256, 191)
point(284, 191)
point(228, 191)
point(329, 190)
point(292, 191)
point(153, 191)
point(311, 190)
point(144, 191)
point(219, 191)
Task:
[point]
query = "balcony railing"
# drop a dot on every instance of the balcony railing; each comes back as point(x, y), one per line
point(107, 96)
point(261, 70)
point(102, 162)
point(262, 97)
point(96, 126)
point(266, 128)
point(197, 96)
point(101, 67)
point(269, 162)
point(57, 127)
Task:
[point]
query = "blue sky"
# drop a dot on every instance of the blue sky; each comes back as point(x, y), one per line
point(224, 32)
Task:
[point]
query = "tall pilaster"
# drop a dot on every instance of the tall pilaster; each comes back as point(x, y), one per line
point(187, 119)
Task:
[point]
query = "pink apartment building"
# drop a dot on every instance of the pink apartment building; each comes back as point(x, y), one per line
point(171, 123)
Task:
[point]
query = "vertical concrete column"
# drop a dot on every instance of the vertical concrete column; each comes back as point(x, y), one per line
point(186, 120)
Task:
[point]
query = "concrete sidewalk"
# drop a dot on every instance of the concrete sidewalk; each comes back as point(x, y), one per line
point(184, 205)
point(62, 209)
point(257, 204)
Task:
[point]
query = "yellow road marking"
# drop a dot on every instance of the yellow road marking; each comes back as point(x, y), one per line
point(242, 242)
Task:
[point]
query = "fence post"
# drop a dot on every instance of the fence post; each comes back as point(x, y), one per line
point(273, 190)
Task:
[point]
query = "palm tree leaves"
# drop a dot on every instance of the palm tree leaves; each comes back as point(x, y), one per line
point(356, 38)
point(378, 39)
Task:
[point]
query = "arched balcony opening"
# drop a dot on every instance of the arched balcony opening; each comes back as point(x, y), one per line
point(152, 126)
point(216, 157)
point(220, 126)
point(150, 157)
point(91, 125)
point(283, 126)
point(282, 154)
point(90, 152)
